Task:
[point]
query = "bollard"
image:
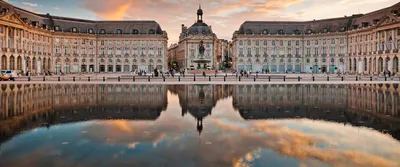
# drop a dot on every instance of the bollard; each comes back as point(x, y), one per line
point(215, 75)
point(269, 78)
point(356, 78)
point(254, 78)
point(134, 78)
point(236, 75)
point(89, 79)
point(119, 78)
point(29, 78)
point(385, 78)
point(224, 78)
point(148, 78)
point(152, 75)
point(179, 78)
point(58, 78)
point(247, 75)
point(164, 78)
point(73, 79)
point(342, 78)
point(44, 78)
point(104, 79)
point(257, 75)
point(327, 78)
point(298, 78)
point(313, 78)
point(240, 78)
point(226, 74)
point(370, 78)
point(284, 78)
point(194, 77)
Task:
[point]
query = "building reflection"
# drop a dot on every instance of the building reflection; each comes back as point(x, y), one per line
point(370, 105)
point(25, 107)
point(199, 100)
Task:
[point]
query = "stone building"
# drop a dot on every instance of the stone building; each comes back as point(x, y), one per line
point(189, 42)
point(356, 44)
point(42, 42)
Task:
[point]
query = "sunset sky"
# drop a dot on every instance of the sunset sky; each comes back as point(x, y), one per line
point(225, 16)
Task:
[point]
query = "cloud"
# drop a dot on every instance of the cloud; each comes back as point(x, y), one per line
point(56, 8)
point(30, 4)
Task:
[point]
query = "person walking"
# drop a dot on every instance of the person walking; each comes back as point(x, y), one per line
point(156, 72)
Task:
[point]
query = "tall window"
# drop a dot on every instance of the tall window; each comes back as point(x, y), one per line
point(249, 42)
point(240, 42)
point(248, 51)
point(240, 51)
point(265, 43)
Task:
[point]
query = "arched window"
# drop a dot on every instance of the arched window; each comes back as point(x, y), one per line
point(57, 28)
point(90, 31)
point(135, 31)
point(119, 31)
point(309, 31)
point(102, 31)
point(280, 31)
point(343, 28)
point(151, 31)
point(265, 31)
point(74, 29)
point(325, 30)
point(297, 32)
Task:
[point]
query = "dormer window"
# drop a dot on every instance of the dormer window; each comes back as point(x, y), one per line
point(90, 31)
point(280, 32)
point(74, 29)
point(44, 26)
point(376, 21)
point(309, 31)
point(135, 31)
point(102, 31)
point(365, 24)
point(151, 31)
point(57, 28)
point(265, 31)
point(119, 31)
point(297, 32)
point(343, 29)
point(204, 32)
point(35, 23)
point(249, 31)
point(325, 30)
point(355, 26)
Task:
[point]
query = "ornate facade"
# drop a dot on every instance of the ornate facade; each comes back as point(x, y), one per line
point(41, 43)
point(363, 44)
point(187, 50)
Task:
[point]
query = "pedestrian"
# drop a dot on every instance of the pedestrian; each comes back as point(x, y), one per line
point(156, 72)
point(389, 73)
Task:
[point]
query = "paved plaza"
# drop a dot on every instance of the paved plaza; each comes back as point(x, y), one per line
point(221, 78)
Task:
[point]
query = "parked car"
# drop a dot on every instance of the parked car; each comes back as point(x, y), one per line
point(8, 74)
point(4, 77)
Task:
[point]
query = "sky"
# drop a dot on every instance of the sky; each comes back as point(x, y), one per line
point(224, 16)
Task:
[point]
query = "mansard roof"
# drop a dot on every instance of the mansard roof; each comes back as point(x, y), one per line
point(294, 27)
point(317, 26)
point(66, 24)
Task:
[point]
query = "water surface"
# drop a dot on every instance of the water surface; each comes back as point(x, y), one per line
point(200, 125)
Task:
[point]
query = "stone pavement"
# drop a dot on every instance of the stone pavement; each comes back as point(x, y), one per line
point(199, 79)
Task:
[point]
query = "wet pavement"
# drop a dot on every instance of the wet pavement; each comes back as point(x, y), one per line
point(200, 125)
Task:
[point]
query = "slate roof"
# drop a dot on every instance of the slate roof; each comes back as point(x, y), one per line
point(66, 24)
point(314, 26)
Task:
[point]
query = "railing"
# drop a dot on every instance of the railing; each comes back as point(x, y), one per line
point(109, 56)
point(380, 52)
point(4, 49)
point(76, 55)
point(12, 49)
point(126, 54)
point(387, 51)
point(58, 54)
point(395, 50)
point(248, 55)
point(91, 55)
point(67, 54)
point(102, 56)
point(118, 56)
point(281, 56)
point(297, 56)
point(83, 55)
point(19, 50)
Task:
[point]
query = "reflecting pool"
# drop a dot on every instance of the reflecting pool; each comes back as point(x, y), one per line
point(200, 125)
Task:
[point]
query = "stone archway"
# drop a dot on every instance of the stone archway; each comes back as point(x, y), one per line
point(12, 62)
point(49, 64)
point(395, 66)
point(34, 65)
point(380, 65)
point(19, 63)
point(4, 62)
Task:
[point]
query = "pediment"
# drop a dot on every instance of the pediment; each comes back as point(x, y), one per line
point(387, 20)
point(13, 18)
point(199, 37)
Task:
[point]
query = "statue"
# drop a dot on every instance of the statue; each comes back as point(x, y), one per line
point(201, 49)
